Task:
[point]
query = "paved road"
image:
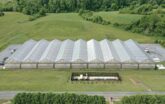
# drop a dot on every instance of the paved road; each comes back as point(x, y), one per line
point(11, 94)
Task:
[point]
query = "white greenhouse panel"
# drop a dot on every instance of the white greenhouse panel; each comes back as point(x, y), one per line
point(62, 66)
point(112, 66)
point(45, 66)
point(65, 52)
point(79, 66)
point(94, 52)
point(12, 66)
point(120, 49)
point(108, 54)
point(51, 52)
point(28, 66)
point(146, 66)
point(129, 66)
point(37, 51)
point(80, 52)
point(95, 66)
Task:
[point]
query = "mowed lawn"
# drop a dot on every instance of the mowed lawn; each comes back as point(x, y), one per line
point(55, 80)
point(15, 28)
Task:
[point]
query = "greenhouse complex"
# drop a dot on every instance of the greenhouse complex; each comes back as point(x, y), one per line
point(80, 54)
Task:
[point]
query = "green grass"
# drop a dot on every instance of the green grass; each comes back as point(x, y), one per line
point(5, 1)
point(116, 17)
point(15, 28)
point(53, 80)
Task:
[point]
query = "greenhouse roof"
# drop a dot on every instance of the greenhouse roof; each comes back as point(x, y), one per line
point(79, 51)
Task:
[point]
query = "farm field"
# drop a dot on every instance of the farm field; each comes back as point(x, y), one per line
point(56, 80)
point(15, 28)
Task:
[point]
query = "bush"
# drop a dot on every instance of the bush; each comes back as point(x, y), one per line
point(144, 99)
point(116, 24)
point(85, 13)
point(51, 98)
point(34, 17)
point(161, 42)
point(163, 5)
point(1, 13)
point(159, 11)
point(97, 19)
point(88, 16)
point(144, 9)
point(42, 12)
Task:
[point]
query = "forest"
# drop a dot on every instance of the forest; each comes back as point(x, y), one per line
point(54, 6)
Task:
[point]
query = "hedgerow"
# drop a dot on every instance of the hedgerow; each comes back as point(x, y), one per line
point(88, 16)
point(52, 98)
point(144, 99)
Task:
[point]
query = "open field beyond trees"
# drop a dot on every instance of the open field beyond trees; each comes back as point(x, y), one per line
point(55, 80)
point(15, 28)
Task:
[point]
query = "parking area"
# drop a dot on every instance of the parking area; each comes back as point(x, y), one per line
point(7, 53)
point(154, 51)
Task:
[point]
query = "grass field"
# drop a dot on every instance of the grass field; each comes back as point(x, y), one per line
point(15, 28)
point(53, 80)
point(116, 17)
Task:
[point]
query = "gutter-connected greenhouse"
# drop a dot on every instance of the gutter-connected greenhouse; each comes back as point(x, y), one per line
point(80, 54)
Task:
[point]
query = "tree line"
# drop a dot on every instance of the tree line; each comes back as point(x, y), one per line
point(55, 6)
point(149, 25)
